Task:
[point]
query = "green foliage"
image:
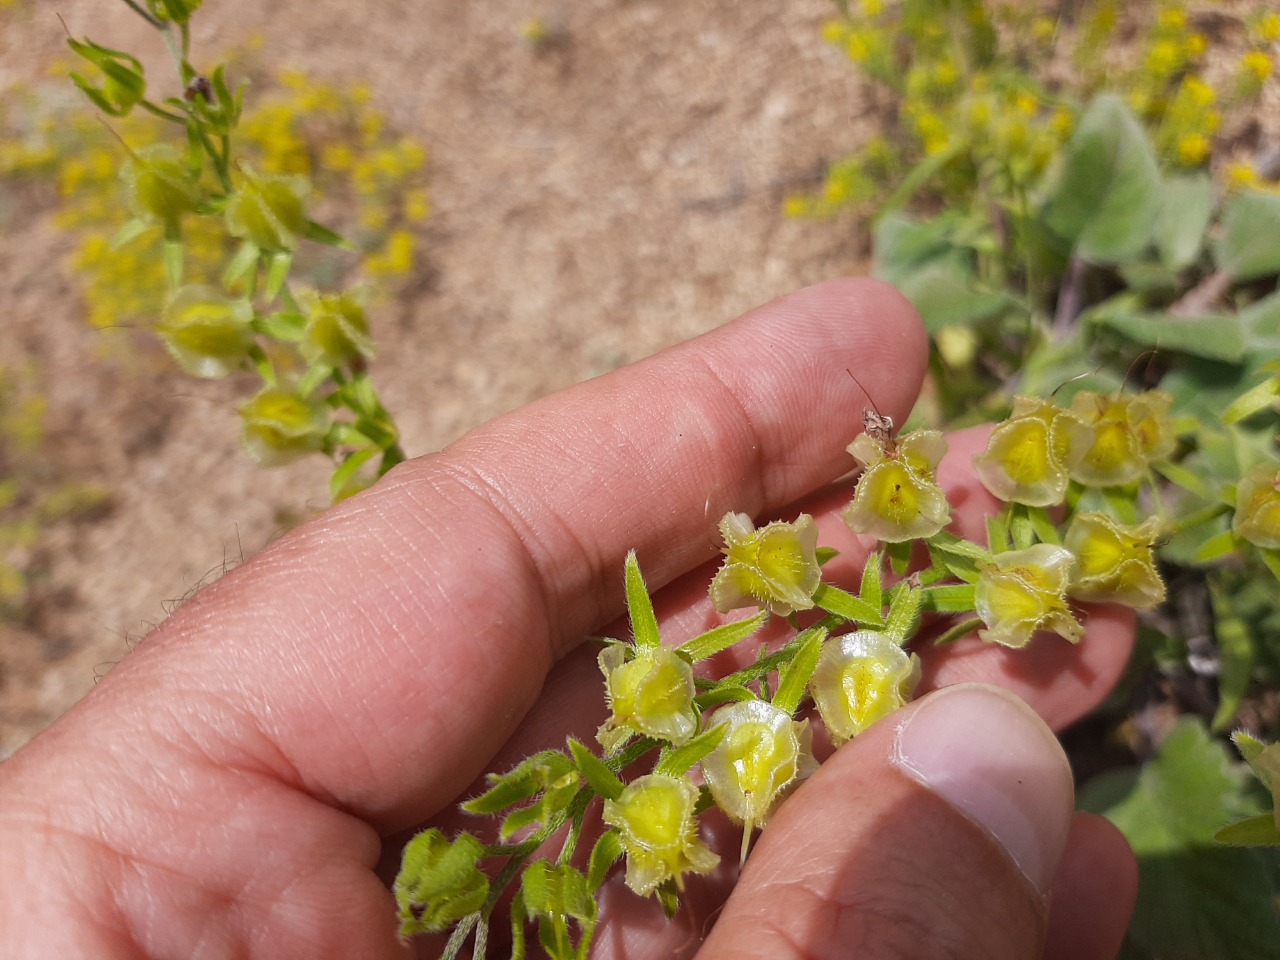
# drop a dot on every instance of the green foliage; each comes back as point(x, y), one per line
point(217, 230)
point(1196, 900)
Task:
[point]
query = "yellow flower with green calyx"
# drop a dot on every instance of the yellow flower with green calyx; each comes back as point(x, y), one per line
point(651, 694)
point(898, 497)
point(280, 426)
point(208, 333)
point(337, 330)
point(860, 678)
point(1130, 431)
point(1114, 562)
point(270, 211)
point(1022, 591)
point(655, 819)
point(763, 752)
point(1257, 516)
point(775, 567)
point(1030, 456)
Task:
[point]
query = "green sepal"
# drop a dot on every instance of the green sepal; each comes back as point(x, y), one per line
point(677, 761)
point(825, 555)
point(521, 782)
point(346, 472)
point(949, 598)
point(315, 375)
point(1180, 476)
point(644, 623)
point(846, 605)
point(900, 556)
point(793, 679)
point(349, 435)
point(439, 882)
point(904, 612)
point(721, 638)
point(321, 234)
point(518, 917)
point(594, 770)
point(998, 530)
point(669, 897)
point(603, 856)
point(1256, 831)
point(1020, 529)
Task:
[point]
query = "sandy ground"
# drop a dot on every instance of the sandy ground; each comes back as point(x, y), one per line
point(593, 203)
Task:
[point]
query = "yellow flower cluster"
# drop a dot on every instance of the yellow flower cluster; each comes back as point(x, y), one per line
point(301, 127)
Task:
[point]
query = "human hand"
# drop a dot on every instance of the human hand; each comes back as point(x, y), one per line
point(229, 788)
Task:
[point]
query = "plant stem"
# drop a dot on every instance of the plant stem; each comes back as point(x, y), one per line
point(158, 24)
point(162, 112)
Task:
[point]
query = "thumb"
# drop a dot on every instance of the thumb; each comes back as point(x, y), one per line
point(936, 833)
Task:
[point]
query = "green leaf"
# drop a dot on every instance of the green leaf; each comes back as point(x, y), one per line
point(946, 293)
point(846, 605)
point(676, 761)
point(1107, 195)
point(794, 678)
point(1216, 547)
point(950, 598)
point(1196, 901)
point(904, 612)
point(871, 591)
point(1186, 207)
point(1254, 400)
point(1212, 336)
point(241, 265)
point(520, 782)
point(721, 638)
point(1256, 831)
point(603, 856)
point(644, 623)
point(277, 273)
point(1246, 248)
point(724, 693)
point(321, 234)
point(601, 779)
point(128, 233)
point(1236, 649)
point(347, 470)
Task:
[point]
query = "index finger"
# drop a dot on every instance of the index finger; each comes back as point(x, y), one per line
point(379, 655)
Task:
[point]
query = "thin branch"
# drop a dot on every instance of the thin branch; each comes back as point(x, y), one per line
point(158, 24)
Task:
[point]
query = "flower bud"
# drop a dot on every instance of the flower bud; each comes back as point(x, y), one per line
point(162, 187)
point(208, 333)
point(1129, 433)
point(1022, 591)
point(655, 819)
point(651, 694)
point(270, 211)
point(280, 426)
point(122, 85)
point(1114, 562)
point(439, 882)
point(763, 752)
point(898, 497)
point(179, 11)
point(1257, 517)
point(1029, 457)
point(775, 566)
point(860, 678)
point(337, 330)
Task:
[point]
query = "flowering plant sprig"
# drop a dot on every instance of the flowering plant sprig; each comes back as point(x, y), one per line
point(681, 738)
point(310, 349)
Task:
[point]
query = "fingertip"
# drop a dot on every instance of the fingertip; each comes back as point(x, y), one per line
point(1094, 892)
